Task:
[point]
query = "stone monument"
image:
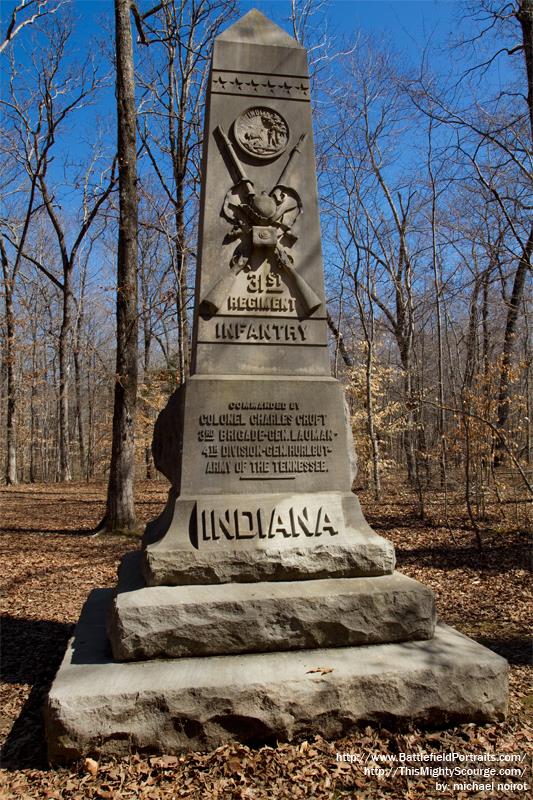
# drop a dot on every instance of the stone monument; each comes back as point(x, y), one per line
point(262, 605)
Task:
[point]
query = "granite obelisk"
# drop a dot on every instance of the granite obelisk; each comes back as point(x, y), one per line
point(262, 605)
point(257, 445)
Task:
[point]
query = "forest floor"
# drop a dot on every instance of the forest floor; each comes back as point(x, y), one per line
point(48, 569)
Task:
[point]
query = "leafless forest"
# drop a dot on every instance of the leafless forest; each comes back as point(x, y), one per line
point(426, 195)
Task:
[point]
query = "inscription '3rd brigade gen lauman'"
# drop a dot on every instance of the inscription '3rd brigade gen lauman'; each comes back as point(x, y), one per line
point(262, 225)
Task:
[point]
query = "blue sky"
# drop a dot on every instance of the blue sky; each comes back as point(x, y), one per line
point(406, 25)
point(411, 22)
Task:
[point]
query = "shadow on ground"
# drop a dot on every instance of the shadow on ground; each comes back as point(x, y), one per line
point(517, 649)
point(509, 555)
point(32, 651)
point(51, 532)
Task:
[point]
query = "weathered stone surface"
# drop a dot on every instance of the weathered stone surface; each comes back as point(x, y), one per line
point(100, 706)
point(243, 436)
point(257, 443)
point(177, 621)
point(259, 72)
point(195, 550)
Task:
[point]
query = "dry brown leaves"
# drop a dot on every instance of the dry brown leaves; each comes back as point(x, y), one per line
point(49, 568)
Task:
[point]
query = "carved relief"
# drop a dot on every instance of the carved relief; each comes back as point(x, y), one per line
point(261, 85)
point(262, 231)
point(261, 132)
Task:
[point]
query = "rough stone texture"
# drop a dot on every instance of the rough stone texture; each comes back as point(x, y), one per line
point(182, 555)
point(177, 621)
point(100, 706)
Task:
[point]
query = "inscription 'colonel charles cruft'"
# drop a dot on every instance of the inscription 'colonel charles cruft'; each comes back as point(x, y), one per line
point(261, 569)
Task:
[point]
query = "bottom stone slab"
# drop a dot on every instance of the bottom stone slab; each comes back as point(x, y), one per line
point(98, 706)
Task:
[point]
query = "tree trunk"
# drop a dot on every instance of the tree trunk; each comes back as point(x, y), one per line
point(11, 449)
point(509, 339)
point(374, 444)
point(120, 511)
point(441, 422)
point(176, 139)
point(339, 338)
point(33, 398)
point(148, 460)
point(91, 369)
point(404, 347)
point(64, 381)
point(525, 18)
point(79, 409)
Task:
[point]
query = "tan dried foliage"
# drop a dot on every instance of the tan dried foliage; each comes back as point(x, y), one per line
point(48, 570)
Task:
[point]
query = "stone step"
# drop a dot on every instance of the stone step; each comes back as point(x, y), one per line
point(98, 706)
point(178, 621)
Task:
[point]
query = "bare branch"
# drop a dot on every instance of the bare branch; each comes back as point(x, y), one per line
point(42, 8)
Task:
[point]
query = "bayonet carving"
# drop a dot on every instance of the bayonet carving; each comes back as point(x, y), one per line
point(261, 222)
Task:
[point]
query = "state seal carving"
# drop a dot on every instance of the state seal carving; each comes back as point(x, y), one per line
point(261, 132)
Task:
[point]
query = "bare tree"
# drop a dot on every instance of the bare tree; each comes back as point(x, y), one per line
point(380, 220)
point(60, 92)
point(120, 507)
point(9, 276)
point(494, 140)
point(175, 79)
point(24, 13)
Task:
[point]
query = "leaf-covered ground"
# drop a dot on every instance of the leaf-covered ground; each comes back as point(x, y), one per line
point(48, 569)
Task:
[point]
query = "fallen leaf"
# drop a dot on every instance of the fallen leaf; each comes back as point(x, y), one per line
point(91, 766)
point(322, 670)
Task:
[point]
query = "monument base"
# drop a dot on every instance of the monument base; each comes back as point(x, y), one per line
point(285, 546)
point(99, 706)
point(180, 621)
